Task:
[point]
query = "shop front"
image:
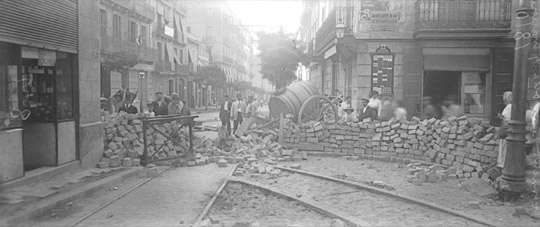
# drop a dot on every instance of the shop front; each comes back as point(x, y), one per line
point(38, 86)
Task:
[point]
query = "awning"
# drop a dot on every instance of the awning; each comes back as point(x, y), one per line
point(172, 55)
point(182, 34)
point(192, 56)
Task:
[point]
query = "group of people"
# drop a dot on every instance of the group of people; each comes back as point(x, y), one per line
point(123, 101)
point(374, 107)
point(233, 109)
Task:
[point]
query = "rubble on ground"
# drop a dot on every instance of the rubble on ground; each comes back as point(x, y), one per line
point(425, 172)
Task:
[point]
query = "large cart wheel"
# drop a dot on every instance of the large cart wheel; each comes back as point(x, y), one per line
point(318, 108)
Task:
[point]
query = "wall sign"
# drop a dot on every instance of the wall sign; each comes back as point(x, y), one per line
point(381, 15)
point(382, 71)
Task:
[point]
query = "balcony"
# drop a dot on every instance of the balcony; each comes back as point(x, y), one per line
point(463, 18)
point(111, 44)
point(119, 5)
point(142, 11)
point(228, 60)
point(165, 66)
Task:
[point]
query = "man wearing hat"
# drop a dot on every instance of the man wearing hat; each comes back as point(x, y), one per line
point(349, 115)
point(127, 106)
point(367, 111)
point(176, 106)
point(238, 107)
point(160, 105)
point(225, 113)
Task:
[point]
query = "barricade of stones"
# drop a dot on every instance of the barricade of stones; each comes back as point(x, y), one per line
point(464, 143)
point(124, 141)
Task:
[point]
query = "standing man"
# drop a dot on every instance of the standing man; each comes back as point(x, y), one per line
point(225, 113)
point(238, 107)
point(366, 111)
point(176, 106)
point(127, 106)
point(160, 105)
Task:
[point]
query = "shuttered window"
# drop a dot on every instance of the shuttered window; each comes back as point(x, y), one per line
point(46, 23)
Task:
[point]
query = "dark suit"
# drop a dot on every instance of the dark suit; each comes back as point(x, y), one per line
point(160, 110)
point(368, 113)
point(128, 109)
point(225, 116)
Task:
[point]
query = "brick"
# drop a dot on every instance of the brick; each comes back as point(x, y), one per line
point(103, 165)
point(222, 163)
point(127, 162)
point(115, 161)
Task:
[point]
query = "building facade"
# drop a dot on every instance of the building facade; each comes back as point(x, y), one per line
point(49, 73)
point(223, 37)
point(409, 49)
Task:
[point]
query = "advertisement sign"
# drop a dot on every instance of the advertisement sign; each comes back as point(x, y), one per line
point(169, 31)
point(381, 15)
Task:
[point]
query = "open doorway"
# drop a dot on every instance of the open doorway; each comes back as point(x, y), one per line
point(440, 84)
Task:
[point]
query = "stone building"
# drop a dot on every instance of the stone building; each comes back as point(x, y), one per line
point(408, 49)
point(49, 87)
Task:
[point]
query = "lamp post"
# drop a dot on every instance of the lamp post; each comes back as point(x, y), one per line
point(142, 76)
point(512, 182)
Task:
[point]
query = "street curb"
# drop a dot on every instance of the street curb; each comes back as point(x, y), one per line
point(330, 212)
point(396, 195)
point(214, 197)
point(41, 207)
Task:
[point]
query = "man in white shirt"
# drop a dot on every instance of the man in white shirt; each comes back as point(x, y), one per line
point(225, 113)
point(238, 107)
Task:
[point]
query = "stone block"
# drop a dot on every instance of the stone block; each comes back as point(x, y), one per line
point(296, 166)
point(136, 162)
point(115, 161)
point(222, 163)
point(103, 165)
point(127, 162)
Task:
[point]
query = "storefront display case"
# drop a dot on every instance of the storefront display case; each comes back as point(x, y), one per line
point(46, 98)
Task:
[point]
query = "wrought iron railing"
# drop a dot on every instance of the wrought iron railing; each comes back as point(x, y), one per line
point(463, 14)
point(114, 44)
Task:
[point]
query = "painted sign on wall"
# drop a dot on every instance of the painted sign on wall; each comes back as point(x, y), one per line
point(381, 15)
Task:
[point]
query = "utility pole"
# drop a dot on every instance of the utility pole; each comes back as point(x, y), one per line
point(513, 179)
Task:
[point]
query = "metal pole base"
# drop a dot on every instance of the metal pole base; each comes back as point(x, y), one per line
point(512, 189)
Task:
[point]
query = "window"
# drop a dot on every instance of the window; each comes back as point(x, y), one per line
point(117, 25)
point(160, 51)
point(133, 32)
point(160, 22)
point(209, 32)
point(166, 53)
point(103, 23)
point(188, 29)
point(176, 52)
point(171, 86)
point(143, 35)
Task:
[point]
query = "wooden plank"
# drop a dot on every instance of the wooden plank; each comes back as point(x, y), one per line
point(281, 125)
point(246, 123)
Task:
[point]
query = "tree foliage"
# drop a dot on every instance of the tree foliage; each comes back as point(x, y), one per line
point(241, 85)
point(211, 75)
point(280, 56)
point(118, 61)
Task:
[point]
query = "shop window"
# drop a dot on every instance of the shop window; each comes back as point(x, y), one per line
point(382, 71)
point(64, 85)
point(474, 89)
point(10, 115)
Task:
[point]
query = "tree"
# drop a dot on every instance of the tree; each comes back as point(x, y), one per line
point(241, 85)
point(211, 75)
point(280, 57)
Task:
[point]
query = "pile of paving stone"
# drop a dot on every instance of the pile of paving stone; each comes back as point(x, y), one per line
point(424, 172)
point(124, 141)
point(464, 143)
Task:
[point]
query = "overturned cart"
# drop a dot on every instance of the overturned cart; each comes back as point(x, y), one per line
point(304, 103)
